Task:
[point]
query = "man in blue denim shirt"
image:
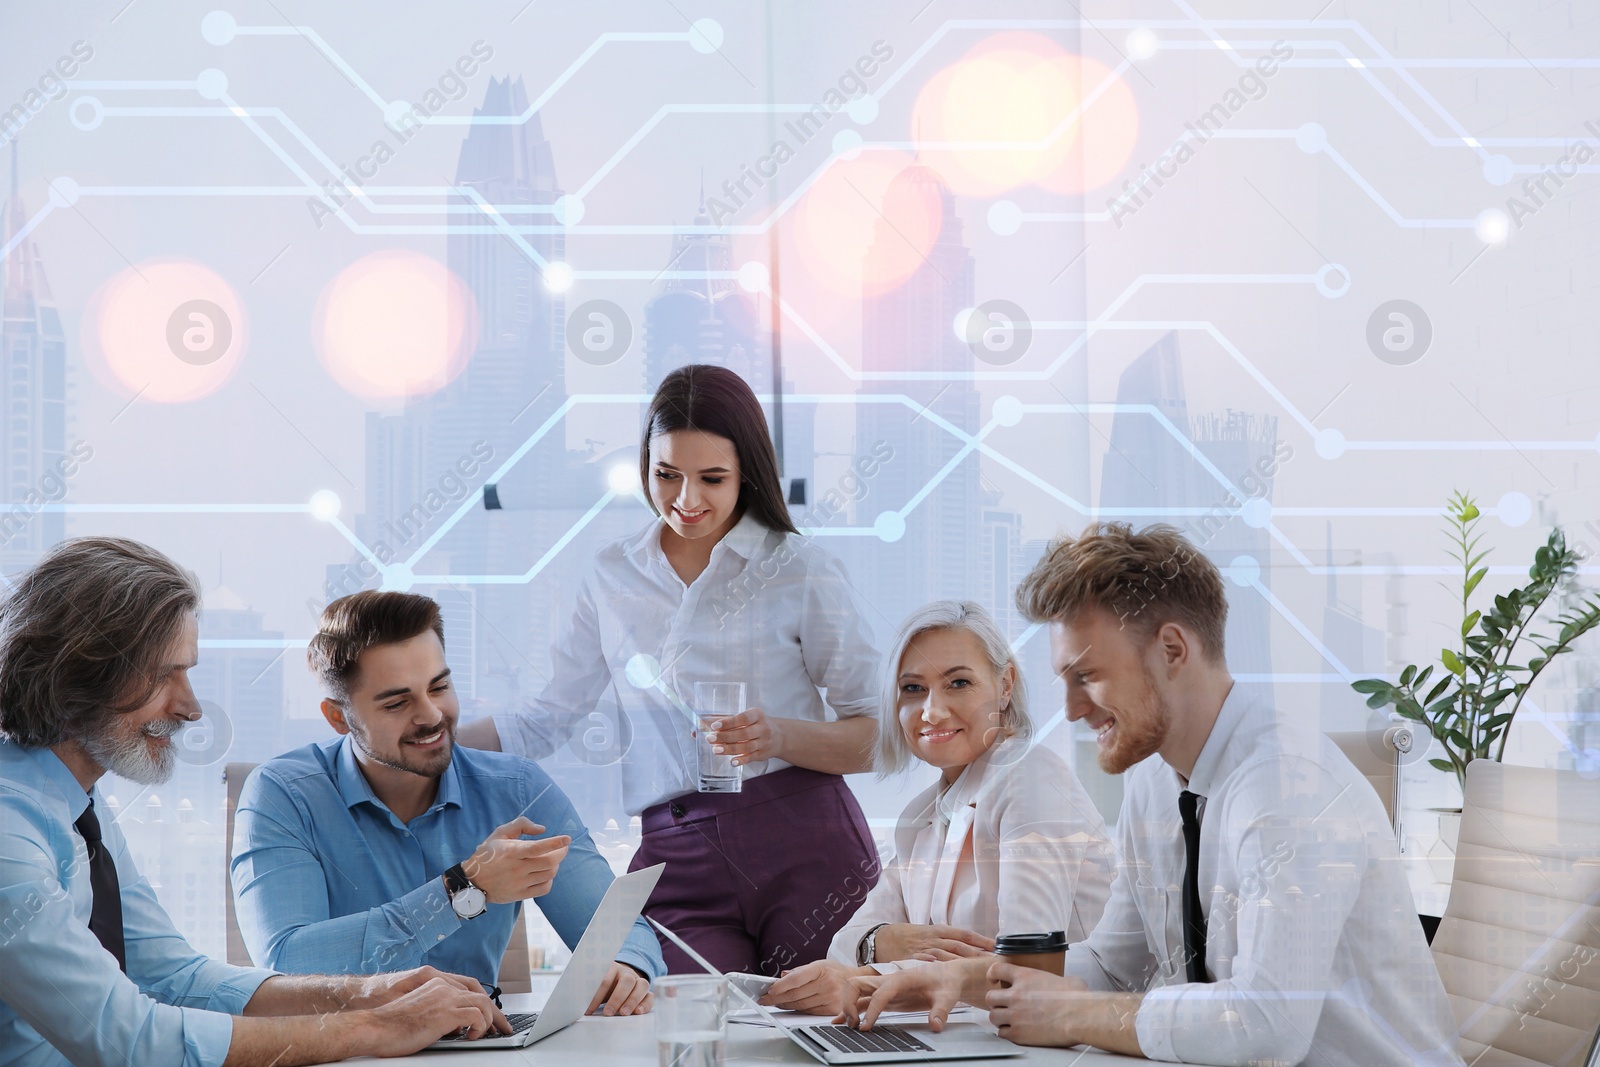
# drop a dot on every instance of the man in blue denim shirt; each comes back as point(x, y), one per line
point(96, 645)
point(386, 847)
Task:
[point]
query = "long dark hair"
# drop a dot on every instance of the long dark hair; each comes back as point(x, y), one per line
point(717, 401)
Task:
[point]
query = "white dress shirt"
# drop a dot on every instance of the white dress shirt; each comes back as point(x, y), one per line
point(1312, 934)
point(1013, 846)
point(771, 610)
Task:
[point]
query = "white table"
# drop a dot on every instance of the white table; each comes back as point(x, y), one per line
point(600, 1042)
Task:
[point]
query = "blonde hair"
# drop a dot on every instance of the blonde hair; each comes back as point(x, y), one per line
point(1147, 579)
point(894, 754)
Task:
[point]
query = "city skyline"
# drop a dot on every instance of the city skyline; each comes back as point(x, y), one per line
point(1355, 200)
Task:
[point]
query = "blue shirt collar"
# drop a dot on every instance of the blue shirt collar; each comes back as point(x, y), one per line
point(60, 777)
point(355, 789)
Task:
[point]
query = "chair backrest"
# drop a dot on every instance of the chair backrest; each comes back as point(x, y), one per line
point(514, 977)
point(515, 966)
point(233, 776)
point(1377, 755)
point(1519, 945)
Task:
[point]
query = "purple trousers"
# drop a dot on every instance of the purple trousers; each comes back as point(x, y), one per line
point(759, 880)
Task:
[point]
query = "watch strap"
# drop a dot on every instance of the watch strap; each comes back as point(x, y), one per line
point(455, 879)
point(867, 947)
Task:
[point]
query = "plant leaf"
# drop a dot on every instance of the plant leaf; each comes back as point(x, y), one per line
point(1472, 582)
point(1448, 658)
point(1469, 622)
point(1439, 706)
point(1372, 685)
point(1443, 765)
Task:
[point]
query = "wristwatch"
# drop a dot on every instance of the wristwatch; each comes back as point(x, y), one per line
point(867, 947)
point(466, 899)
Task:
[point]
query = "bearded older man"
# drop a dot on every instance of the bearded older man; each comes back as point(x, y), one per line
point(96, 645)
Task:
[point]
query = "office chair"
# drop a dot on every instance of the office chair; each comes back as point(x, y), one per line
point(1519, 945)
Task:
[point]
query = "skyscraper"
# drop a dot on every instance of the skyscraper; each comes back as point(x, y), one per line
point(514, 380)
point(1359, 647)
point(1245, 448)
point(1001, 563)
point(246, 683)
point(1150, 469)
point(521, 322)
point(911, 327)
point(1145, 467)
point(700, 318)
point(33, 418)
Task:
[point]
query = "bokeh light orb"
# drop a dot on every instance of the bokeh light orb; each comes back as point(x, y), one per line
point(868, 223)
point(622, 478)
point(1492, 226)
point(325, 505)
point(1018, 109)
point(165, 330)
point(395, 323)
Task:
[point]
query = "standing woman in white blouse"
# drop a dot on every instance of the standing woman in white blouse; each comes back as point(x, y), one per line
point(1005, 841)
point(721, 587)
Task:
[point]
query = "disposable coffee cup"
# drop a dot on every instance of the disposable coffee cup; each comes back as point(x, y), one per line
point(1042, 952)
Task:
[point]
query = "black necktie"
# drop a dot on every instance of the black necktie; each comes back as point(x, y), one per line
point(105, 916)
point(1194, 920)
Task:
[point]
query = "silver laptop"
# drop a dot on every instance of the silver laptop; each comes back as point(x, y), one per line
point(600, 943)
point(881, 1044)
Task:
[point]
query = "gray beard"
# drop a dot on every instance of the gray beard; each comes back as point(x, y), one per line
point(128, 755)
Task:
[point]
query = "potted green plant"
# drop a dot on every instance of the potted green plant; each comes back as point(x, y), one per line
point(1471, 707)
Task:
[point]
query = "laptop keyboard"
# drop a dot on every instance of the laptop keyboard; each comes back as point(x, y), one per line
point(880, 1039)
point(519, 1022)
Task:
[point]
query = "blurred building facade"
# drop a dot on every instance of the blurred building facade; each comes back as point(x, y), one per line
point(33, 415)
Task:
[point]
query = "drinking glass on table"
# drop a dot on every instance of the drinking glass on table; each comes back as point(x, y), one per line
point(691, 1019)
point(715, 701)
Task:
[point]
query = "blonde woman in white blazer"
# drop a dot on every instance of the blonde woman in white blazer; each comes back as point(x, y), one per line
point(1004, 841)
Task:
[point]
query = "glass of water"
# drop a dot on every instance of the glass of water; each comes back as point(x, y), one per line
point(691, 1013)
point(713, 701)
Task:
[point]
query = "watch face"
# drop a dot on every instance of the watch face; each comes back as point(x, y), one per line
point(469, 903)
